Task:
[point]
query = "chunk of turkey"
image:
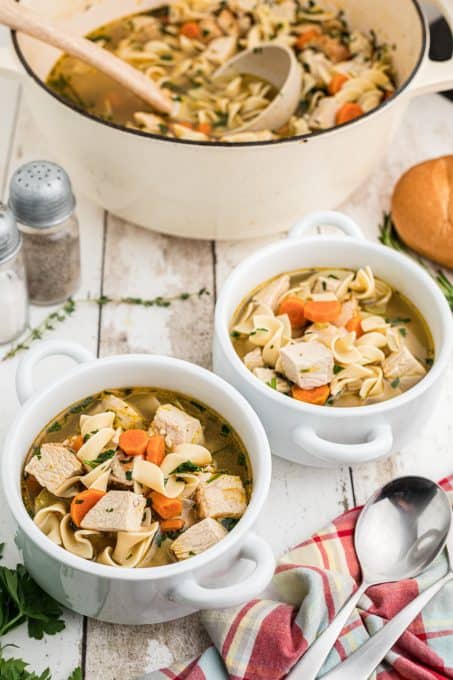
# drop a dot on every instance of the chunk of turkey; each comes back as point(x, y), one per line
point(116, 511)
point(198, 538)
point(254, 359)
point(271, 294)
point(52, 465)
point(401, 364)
point(176, 426)
point(308, 364)
point(222, 497)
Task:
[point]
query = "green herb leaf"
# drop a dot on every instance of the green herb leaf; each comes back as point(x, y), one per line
point(225, 430)
point(337, 369)
point(229, 522)
point(102, 457)
point(395, 383)
point(242, 460)
point(76, 674)
point(55, 427)
point(17, 669)
point(272, 383)
point(188, 466)
point(402, 331)
point(23, 601)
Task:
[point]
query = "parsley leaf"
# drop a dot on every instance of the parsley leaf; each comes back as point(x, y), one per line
point(395, 383)
point(188, 466)
point(103, 456)
point(22, 600)
point(337, 369)
point(16, 669)
point(229, 522)
point(76, 674)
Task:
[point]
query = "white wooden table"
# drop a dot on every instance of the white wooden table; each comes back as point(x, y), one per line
point(122, 259)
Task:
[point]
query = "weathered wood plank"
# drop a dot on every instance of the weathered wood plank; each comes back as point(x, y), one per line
point(82, 327)
point(145, 264)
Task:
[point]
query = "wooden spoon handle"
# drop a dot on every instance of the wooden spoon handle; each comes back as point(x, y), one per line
point(23, 19)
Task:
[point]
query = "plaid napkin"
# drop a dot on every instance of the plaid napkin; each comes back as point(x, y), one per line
point(262, 639)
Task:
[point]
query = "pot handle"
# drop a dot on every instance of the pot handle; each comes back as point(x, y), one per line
point(9, 65)
point(435, 76)
point(378, 444)
point(188, 591)
point(24, 376)
point(326, 217)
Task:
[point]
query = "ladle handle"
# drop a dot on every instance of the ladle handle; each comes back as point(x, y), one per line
point(313, 659)
point(20, 18)
point(361, 664)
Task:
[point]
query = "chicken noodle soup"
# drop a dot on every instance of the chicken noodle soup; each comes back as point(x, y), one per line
point(345, 73)
point(332, 336)
point(137, 478)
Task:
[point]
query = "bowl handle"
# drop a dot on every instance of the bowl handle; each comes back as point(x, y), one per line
point(378, 444)
point(435, 76)
point(188, 591)
point(326, 217)
point(24, 376)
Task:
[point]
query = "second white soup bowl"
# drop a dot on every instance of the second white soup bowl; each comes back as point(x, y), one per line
point(148, 595)
point(328, 436)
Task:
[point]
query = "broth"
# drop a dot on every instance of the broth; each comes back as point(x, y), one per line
point(70, 465)
point(374, 345)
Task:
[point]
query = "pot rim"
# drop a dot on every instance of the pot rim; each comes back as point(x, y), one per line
point(190, 142)
point(17, 508)
point(222, 332)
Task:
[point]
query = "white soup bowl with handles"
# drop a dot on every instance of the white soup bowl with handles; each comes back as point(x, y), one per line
point(242, 559)
point(325, 436)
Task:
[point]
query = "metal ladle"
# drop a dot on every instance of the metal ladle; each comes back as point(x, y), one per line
point(399, 533)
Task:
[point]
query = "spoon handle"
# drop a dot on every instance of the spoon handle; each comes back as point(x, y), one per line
point(311, 663)
point(361, 664)
point(20, 18)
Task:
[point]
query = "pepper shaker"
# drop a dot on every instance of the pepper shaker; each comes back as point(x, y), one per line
point(13, 287)
point(42, 200)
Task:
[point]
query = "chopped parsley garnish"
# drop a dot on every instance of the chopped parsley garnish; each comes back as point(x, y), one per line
point(229, 522)
point(214, 477)
point(429, 361)
point(79, 408)
point(37, 452)
point(402, 331)
point(332, 276)
point(129, 475)
point(55, 427)
point(164, 129)
point(187, 466)
point(109, 509)
point(78, 501)
point(225, 430)
point(398, 319)
point(272, 383)
point(235, 334)
point(337, 369)
point(200, 407)
point(395, 383)
point(242, 459)
point(259, 330)
point(102, 457)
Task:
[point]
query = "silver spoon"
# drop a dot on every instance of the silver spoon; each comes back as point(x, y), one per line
point(361, 663)
point(400, 531)
point(20, 18)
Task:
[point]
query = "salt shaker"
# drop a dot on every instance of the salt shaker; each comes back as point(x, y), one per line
point(42, 200)
point(13, 287)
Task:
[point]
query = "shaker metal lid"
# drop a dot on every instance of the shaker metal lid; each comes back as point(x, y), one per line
point(9, 234)
point(41, 194)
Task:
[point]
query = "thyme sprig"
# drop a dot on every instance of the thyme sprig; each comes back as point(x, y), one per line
point(69, 307)
point(388, 236)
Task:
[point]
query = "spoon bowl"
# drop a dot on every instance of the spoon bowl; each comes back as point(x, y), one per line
point(277, 65)
point(399, 533)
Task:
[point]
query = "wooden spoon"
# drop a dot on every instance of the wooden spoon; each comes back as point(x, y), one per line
point(27, 21)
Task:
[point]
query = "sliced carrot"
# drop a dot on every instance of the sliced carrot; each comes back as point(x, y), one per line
point(155, 450)
point(318, 395)
point(354, 325)
point(191, 30)
point(348, 111)
point(322, 311)
point(337, 82)
point(205, 128)
point(171, 525)
point(185, 123)
point(307, 37)
point(76, 442)
point(134, 442)
point(167, 508)
point(294, 308)
point(83, 502)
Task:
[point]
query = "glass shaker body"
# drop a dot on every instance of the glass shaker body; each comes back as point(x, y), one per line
point(13, 298)
point(52, 260)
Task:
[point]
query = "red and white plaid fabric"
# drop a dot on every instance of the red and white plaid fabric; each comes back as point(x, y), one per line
point(262, 639)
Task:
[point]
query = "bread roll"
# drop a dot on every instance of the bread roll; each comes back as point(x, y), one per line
point(422, 209)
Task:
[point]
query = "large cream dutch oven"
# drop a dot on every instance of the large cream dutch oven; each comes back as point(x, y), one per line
point(149, 595)
point(329, 436)
point(204, 190)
